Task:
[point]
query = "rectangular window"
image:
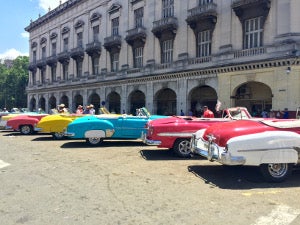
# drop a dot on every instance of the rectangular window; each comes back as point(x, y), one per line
point(167, 51)
point(205, 2)
point(253, 33)
point(43, 76)
point(53, 73)
point(34, 56)
point(79, 68)
point(139, 17)
point(79, 40)
point(138, 57)
point(204, 43)
point(43, 52)
point(34, 78)
point(53, 47)
point(115, 26)
point(96, 33)
point(95, 62)
point(66, 44)
point(65, 71)
point(115, 62)
point(167, 8)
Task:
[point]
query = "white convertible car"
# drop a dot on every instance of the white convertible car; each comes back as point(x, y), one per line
point(273, 145)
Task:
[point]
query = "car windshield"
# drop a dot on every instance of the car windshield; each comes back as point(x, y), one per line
point(238, 114)
point(142, 112)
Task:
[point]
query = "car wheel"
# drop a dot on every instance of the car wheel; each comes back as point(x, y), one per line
point(26, 129)
point(276, 172)
point(58, 135)
point(93, 141)
point(182, 148)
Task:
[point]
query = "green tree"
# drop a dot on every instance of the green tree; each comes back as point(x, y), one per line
point(13, 82)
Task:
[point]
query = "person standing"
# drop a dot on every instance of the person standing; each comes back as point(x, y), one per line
point(92, 110)
point(285, 114)
point(79, 110)
point(207, 113)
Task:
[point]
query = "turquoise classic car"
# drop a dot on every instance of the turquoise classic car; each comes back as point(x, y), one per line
point(95, 128)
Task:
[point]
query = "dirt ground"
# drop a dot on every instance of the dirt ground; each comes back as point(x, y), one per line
point(64, 182)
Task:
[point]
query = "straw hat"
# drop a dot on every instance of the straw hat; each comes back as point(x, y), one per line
point(61, 105)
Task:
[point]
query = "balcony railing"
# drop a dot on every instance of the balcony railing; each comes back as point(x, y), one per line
point(238, 3)
point(41, 63)
point(138, 33)
point(51, 60)
point(249, 52)
point(93, 48)
point(114, 41)
point(77, 53)
point(165, 24)
point(203, 10)
point(63, 57)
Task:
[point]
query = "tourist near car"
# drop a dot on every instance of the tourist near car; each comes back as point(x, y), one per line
point(175, 132)
point(56, 124)
point(95, 129)
point(273, 145)
point(24, 123)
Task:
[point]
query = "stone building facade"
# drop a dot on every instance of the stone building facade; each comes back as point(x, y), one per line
point(166, 55)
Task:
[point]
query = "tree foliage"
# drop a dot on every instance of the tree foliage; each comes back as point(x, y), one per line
point(13, 82)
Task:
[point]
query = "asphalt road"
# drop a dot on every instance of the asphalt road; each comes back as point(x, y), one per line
point(48, 182)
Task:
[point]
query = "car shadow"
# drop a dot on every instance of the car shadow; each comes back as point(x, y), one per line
point(16, 133)
point(162, 154)
point(239, 177)
point(48, 137)
point(105, 143)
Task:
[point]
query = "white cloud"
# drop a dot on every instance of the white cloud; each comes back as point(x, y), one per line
point(25, 35)
point(52, 4)
point(12, 54)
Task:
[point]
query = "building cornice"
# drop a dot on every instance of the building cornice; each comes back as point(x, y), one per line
point(207, 73)
point(53, 13)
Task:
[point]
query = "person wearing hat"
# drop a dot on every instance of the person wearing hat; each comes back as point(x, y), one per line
point(79, 109)
point(61, 108)
point(92, 110)
point(207, 113)
point(86, 110)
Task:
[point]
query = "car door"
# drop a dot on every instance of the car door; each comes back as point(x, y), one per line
point(132, 126)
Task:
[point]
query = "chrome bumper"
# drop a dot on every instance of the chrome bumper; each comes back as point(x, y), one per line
point(68, 134)
point(148, 141)
point(201, 147)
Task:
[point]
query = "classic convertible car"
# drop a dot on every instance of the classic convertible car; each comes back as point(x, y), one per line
point(273, 145)
point(94, 128)
point(56, 124)
point(175, 132)
point(25, 123)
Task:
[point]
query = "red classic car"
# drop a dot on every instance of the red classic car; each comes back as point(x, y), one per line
point(26, 124)
point(273, 145)
point(175, 132)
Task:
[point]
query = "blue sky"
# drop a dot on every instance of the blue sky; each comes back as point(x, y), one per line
point(15, 16)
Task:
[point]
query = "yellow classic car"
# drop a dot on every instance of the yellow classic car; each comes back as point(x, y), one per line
point(56, 124)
